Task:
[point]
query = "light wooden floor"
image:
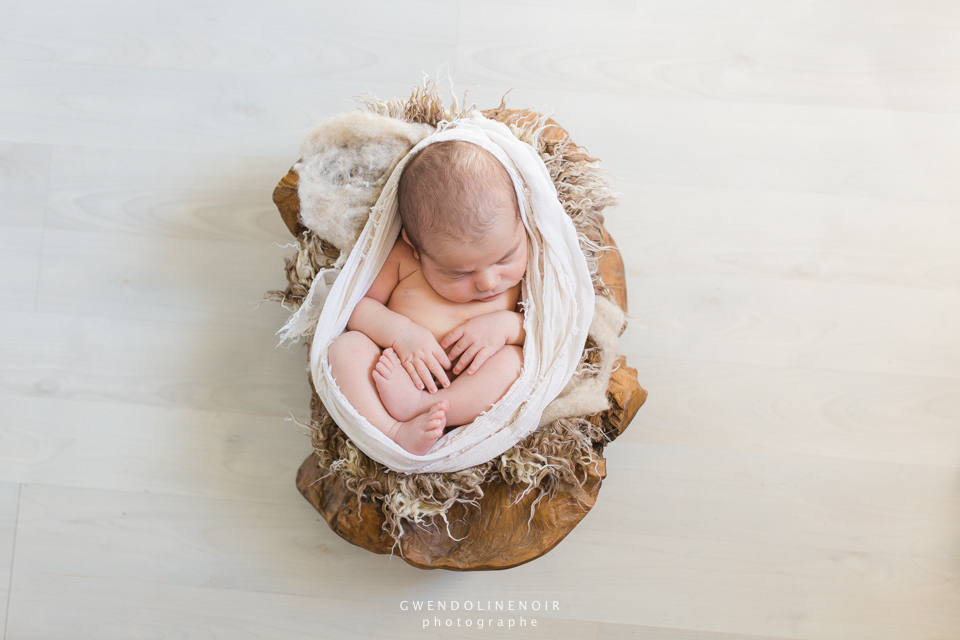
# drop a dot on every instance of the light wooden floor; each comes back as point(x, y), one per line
point(790, 220)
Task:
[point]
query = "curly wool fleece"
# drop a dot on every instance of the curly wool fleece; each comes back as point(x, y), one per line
point(345, 162)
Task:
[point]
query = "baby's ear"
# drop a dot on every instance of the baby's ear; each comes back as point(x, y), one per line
point(403, 232)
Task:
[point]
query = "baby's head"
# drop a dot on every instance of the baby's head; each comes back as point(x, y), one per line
point(460, 214)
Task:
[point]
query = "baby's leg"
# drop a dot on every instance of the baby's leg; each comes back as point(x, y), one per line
point(353, 357)
point(467, 395)
point(472, 393)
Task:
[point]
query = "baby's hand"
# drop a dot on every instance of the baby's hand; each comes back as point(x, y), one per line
point(477, 339)
point(420, 354)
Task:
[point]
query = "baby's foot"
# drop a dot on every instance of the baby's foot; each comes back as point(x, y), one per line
point(419, 434)
point(400, 397)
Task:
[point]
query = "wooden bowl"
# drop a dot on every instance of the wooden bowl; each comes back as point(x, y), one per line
point(498, 534)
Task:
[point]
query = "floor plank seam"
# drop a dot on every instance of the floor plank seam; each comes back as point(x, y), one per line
point(13, 557)
point(780, 454)
point(296, 500)
point(179, 406)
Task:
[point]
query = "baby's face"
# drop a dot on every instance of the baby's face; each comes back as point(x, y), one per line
point(467, 272)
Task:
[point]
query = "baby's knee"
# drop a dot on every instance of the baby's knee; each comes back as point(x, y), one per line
point(513, 355)
point(350, 346)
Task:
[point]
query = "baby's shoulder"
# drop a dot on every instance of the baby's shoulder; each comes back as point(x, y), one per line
point(401, 248)
point(395, 269)
point(402, 256)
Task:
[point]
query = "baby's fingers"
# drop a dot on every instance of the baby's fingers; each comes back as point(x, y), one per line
point(438, 371)
point(459, 348)
point(479, 359)
point(425, 376)
point(412, 372)
point(467, 356)
point(442, 358)
point(451, 337)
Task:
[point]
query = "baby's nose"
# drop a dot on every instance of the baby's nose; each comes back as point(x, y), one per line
point(487, 281)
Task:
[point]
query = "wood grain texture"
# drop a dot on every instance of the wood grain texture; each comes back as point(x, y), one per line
point(797, 237)
point(846, 151)
point(500, 531)
point(118, 275)
point(176, 194)
point(157, 109)
point(746, 52)
point(206, 365)
point(865, 330)
point(24, 171)
point(339, 41)
point(835, 506)
point(20, 259)
point(167, 449)
point(895, 418)
point(287, 200)
point(766, 590)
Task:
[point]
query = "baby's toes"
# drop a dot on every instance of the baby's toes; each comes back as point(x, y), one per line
point(434, 427)
point(437, 418)
point(384, 366)
point(392, 356)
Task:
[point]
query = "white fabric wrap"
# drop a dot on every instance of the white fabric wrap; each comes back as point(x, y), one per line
point(558, 308)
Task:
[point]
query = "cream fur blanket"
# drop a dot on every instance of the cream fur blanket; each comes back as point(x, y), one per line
point(558, 304)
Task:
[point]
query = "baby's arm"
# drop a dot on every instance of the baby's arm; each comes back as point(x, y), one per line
point(515, 332)
point(371, 315)
point(482, 336)
point(417, 348)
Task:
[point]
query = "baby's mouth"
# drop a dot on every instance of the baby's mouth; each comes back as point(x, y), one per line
point(488, 298)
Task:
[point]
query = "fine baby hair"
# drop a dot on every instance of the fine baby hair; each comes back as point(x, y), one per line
point(457, 176)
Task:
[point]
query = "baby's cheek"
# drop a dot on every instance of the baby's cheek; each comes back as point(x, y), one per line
point(461, 292)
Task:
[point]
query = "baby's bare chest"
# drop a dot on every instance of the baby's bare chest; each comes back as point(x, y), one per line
point(415, 298)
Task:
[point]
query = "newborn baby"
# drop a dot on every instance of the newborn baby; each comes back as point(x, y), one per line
point(444, 306)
